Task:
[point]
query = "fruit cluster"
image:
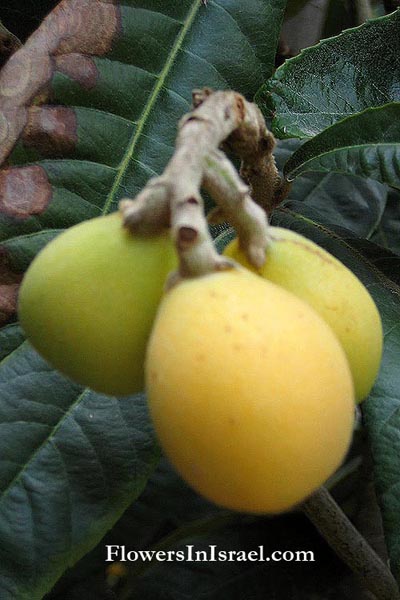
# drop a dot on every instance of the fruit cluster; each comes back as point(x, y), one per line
point(251, 380)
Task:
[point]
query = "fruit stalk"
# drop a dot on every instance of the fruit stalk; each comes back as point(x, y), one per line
point(174, 198)
point(350, 545)
point(235, 205)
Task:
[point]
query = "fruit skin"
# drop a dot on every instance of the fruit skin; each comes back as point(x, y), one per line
point(314, 275)
point(250, 391)
point(88, 301)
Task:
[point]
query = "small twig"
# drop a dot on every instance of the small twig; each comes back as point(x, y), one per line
point(350, 545)
point(235, 205)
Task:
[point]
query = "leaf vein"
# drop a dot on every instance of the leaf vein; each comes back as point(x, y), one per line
point(151, 102)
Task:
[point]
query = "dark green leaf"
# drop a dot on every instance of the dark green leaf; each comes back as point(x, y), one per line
point(387, 233)
point(73, 460)
point(365, 144)
point(334, 199)
point(339, 77)
point(11, 338)
point(382, 258)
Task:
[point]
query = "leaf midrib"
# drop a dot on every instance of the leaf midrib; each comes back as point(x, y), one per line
point(150, 103)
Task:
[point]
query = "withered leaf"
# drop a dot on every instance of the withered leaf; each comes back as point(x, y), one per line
point(24, 191)
point(68, 36)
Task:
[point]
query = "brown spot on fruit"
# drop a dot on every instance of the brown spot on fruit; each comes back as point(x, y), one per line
point(24, 191)
point(52, 130)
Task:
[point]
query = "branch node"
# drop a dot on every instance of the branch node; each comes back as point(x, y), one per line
point(186, 237)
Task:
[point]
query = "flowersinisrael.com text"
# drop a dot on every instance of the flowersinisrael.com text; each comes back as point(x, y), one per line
point(210, 554)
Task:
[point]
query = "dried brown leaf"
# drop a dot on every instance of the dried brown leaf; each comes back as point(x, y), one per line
point(68, 36)
point(8, 301)
point(79, 68)
point(24, 191)
point(52, 130)
point(9, 285)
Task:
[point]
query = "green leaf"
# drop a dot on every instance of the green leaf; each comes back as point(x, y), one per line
point(334, 199)
point(334, 79)
point(382, 258)
point(73, 460)
point(11, 338)
point(382, 408)
point(365, 144)
point(387, 233)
